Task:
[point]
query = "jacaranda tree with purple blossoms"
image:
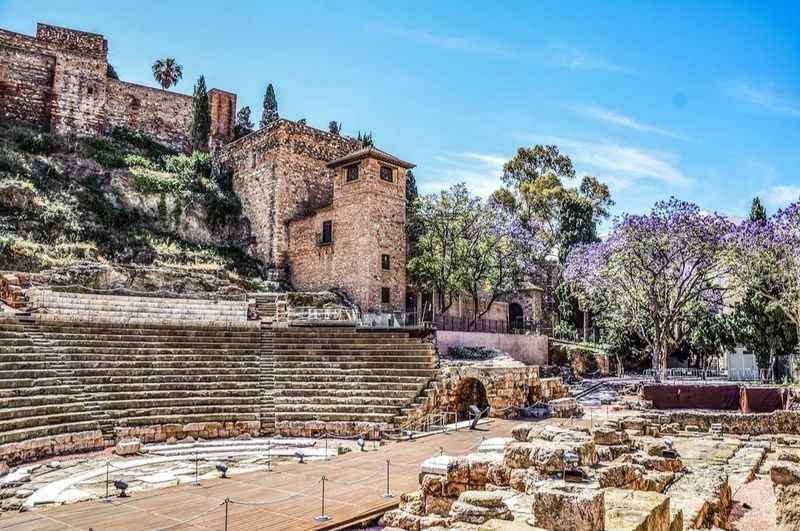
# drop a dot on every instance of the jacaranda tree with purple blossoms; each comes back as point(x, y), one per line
point(655, 272)
point(765, 259)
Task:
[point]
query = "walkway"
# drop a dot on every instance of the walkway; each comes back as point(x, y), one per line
point(288, 498)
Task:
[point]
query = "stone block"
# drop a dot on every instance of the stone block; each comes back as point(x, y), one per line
point(785, 473)
point(400, 519)
point(636, 510)
point(559, 507)
point(609, 437)
point(413, 502)
point(128, 447)
point(479, 506)
point(520, 432)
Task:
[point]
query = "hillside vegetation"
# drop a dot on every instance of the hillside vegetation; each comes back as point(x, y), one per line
point(121, 201)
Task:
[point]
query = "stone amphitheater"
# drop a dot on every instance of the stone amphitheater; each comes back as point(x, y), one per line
point(83, 371)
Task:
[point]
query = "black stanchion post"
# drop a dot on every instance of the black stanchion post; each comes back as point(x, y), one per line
point(269, 456)
point(326, 446)
point(196, 468)
point(388, 493)
point(323, 517)
point(227, 502)
point(107, 465)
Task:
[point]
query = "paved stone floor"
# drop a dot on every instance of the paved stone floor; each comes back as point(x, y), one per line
point(288, 498)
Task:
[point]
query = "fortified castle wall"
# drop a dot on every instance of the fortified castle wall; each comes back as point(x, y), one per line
point(58, 81)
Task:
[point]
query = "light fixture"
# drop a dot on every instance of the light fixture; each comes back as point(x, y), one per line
point(122, 487)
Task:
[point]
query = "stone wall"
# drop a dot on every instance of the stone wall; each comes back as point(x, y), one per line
point(164, 116)
point(531, 350)
point(368, 219)
point(26, 80)
point(58, 81)
point(281, 174)
point(787, 422)
point(507, 390)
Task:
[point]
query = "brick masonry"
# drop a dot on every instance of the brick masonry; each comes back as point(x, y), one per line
point(58, 81)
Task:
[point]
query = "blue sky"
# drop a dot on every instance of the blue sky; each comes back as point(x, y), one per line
point(697, 100)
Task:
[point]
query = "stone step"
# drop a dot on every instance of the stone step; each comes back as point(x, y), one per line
point(234, 394)
point(360, 364)
point(54, 408)
point(85, 313)
point(129, 299)
point(244, 373)
point(188, 329)
point(356, 401)
point(179, 378)
point(335, 417)
point(253, 351)
point(155, 419)
point(234, 387)
point(211, 402)
point(102, 340)
point(50, 430)
point(325, 392)
point(42, 420)
point(348, 379)
point(35, 391)
point(333, 373)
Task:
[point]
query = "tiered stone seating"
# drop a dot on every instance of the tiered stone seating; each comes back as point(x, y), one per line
point(340, 374)
point(86, 305)
point(142, 372)
point(36, 400)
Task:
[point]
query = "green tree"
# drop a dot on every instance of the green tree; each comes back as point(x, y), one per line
point(335, 127)
point(200, 128)
point(365, 139)
point(757, 211)
point(244, 125)
point(269, 114)
point(413, 221)
point(167, 72)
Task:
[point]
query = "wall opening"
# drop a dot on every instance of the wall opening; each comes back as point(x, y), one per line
point(515, 316)
point(470, 391)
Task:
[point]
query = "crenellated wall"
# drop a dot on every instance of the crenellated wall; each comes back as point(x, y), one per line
point(59, 81)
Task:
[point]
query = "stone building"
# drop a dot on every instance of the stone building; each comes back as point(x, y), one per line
point(58, 81)
point(325, 209)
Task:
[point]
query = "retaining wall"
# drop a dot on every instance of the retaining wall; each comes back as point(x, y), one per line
point(531, 350)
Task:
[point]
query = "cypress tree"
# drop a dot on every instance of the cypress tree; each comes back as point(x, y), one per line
point(335, 127)
point(757, 211)
point(270, 113)
point(243, 124)
point(201, 117)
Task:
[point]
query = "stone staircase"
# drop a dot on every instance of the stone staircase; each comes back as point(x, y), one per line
point(89, 305)
point(340, 374)
point(267, 379)
point(41, 396)
point(141, 373)
point(271, 307)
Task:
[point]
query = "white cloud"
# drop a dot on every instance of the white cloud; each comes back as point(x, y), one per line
point(575, 59)
point(626, 163)
point(607, 115)
point(481, 172)
point(782, 195)
point(766, 96)
point(445, 42)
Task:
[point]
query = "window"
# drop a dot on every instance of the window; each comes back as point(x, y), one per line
point(90, 90)
point(327, 233)
point(385, 261)
point(385, 295)
point(352, 173)
point(387, 173)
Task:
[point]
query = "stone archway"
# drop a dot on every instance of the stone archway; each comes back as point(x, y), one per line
point(469, 391)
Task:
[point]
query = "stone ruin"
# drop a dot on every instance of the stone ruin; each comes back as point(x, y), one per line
point(624, 474)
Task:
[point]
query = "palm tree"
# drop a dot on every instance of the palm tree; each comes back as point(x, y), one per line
point(167, 72)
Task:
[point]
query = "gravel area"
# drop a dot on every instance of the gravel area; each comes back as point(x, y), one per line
point(760, 498)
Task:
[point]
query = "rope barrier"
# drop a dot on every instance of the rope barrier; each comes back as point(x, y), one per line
point(193, 518)
point(276, 500)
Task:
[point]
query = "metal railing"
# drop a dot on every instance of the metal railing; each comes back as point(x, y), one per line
point(687, 373)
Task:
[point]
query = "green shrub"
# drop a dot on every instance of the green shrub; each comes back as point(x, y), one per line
point(58, 218)
point(104, 151)
point(32, 141)
point(179, 164)
point(156, 182)
point(12, 162)
point(152, 149)
point(133, 160)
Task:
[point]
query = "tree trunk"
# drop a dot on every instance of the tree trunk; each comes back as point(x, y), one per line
point(585, 326)
point(771, 366)
point(656, 363)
